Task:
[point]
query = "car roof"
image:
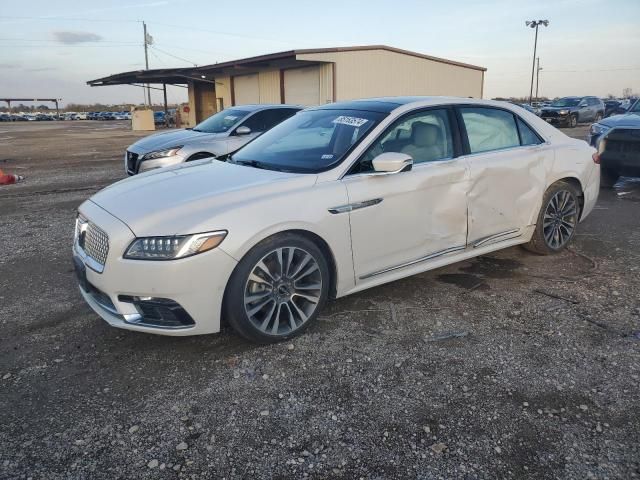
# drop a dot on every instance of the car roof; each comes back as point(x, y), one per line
point(389, 104)
point(262, 106)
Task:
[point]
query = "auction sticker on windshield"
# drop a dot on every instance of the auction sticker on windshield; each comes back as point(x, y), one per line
point(352, 121)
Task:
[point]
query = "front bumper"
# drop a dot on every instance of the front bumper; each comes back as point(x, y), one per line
point(556, 119)
point(621, 151)
point(195, 283)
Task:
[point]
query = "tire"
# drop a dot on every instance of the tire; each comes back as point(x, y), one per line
point(277, 289)
point(573, 121)
point(608, 177)
point(598, 117)
point(557, 220)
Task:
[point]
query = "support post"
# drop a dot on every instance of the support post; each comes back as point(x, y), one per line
point(533, 66)
point(166, 109)
point(146, 61)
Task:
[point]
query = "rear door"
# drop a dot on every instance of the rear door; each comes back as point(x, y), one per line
point(507, 162)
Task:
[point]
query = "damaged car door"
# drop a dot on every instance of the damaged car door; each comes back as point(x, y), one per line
point(507, 173)
point(420, 213)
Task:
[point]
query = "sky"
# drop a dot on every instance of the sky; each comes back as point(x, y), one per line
point(51, 49)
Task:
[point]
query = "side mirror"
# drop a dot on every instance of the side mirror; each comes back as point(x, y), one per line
point(392, 162)
point(243, 130)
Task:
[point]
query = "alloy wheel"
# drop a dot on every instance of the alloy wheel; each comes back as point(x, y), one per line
point(283, 290)
point(560, 218)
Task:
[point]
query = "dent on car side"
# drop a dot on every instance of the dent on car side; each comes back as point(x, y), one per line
point(253, 204)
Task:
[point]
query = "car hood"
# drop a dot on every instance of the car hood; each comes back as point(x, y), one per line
point(626, 120)
point(192, 197)
point(171, 139)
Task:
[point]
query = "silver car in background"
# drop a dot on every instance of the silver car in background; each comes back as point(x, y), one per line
point(220, 134)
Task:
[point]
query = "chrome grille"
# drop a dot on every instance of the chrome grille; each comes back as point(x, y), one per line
point(96, 244)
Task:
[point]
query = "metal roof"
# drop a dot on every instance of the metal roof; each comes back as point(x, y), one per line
point(286, 59)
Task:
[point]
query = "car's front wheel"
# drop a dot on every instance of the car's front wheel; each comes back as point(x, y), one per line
point(557, 220)
point(573, 120)
point(277, 289)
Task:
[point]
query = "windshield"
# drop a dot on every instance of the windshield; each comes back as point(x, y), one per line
point(221, 121)
point(636, 107)
point(309, 142)
point(566, 102)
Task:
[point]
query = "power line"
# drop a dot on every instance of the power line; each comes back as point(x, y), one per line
point(216, 32)
point(174, 56)
point(69, 46)
point(594, 70)
point(55, 41)
point(71, 19)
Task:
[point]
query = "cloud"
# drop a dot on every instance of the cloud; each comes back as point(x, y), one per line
point(40, 69)
point(71, 38)
point(9, 65)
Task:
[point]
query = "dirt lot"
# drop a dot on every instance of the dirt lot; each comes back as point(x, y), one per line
point(508, 366)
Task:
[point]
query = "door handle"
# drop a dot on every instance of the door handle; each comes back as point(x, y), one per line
point(355, 206)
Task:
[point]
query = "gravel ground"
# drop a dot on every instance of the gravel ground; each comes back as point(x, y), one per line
point(507, 366)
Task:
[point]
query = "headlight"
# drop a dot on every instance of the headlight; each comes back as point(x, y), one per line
point(169, 152)
point(563, 112)
point(597, 129)
point(177, 246)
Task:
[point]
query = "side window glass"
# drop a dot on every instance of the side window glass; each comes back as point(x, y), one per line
point(258, 121)
point(278, 115)
point(490, 129)
point(527, 136)
point(426, 136)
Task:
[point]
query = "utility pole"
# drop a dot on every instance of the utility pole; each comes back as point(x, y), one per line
point(538, 68)
point(146, 60)
point(534, 24)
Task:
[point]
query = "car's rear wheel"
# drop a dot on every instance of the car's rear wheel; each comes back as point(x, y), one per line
point(277, 289)
point(557, 220)
point(608, 177)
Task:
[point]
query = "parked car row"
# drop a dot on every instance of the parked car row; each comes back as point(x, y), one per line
point(569, 111)
point(29, 117)
point(617, 140)
point(109, 116)
point(328, 201)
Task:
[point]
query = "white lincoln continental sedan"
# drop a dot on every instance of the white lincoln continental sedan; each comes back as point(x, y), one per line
point(334, 200)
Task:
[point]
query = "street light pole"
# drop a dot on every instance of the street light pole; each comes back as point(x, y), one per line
point(538, 68)
point(534, 24)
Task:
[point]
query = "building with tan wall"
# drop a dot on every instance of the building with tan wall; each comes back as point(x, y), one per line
point(314, 76)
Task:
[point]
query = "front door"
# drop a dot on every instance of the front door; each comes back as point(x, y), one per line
point(403, 219)
point(507, 174)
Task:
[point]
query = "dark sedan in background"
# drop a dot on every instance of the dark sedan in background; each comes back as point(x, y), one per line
point(617, 139)
point(569, 111)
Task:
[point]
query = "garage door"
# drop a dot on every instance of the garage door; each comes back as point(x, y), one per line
point(246, 89)
point(302, 86)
